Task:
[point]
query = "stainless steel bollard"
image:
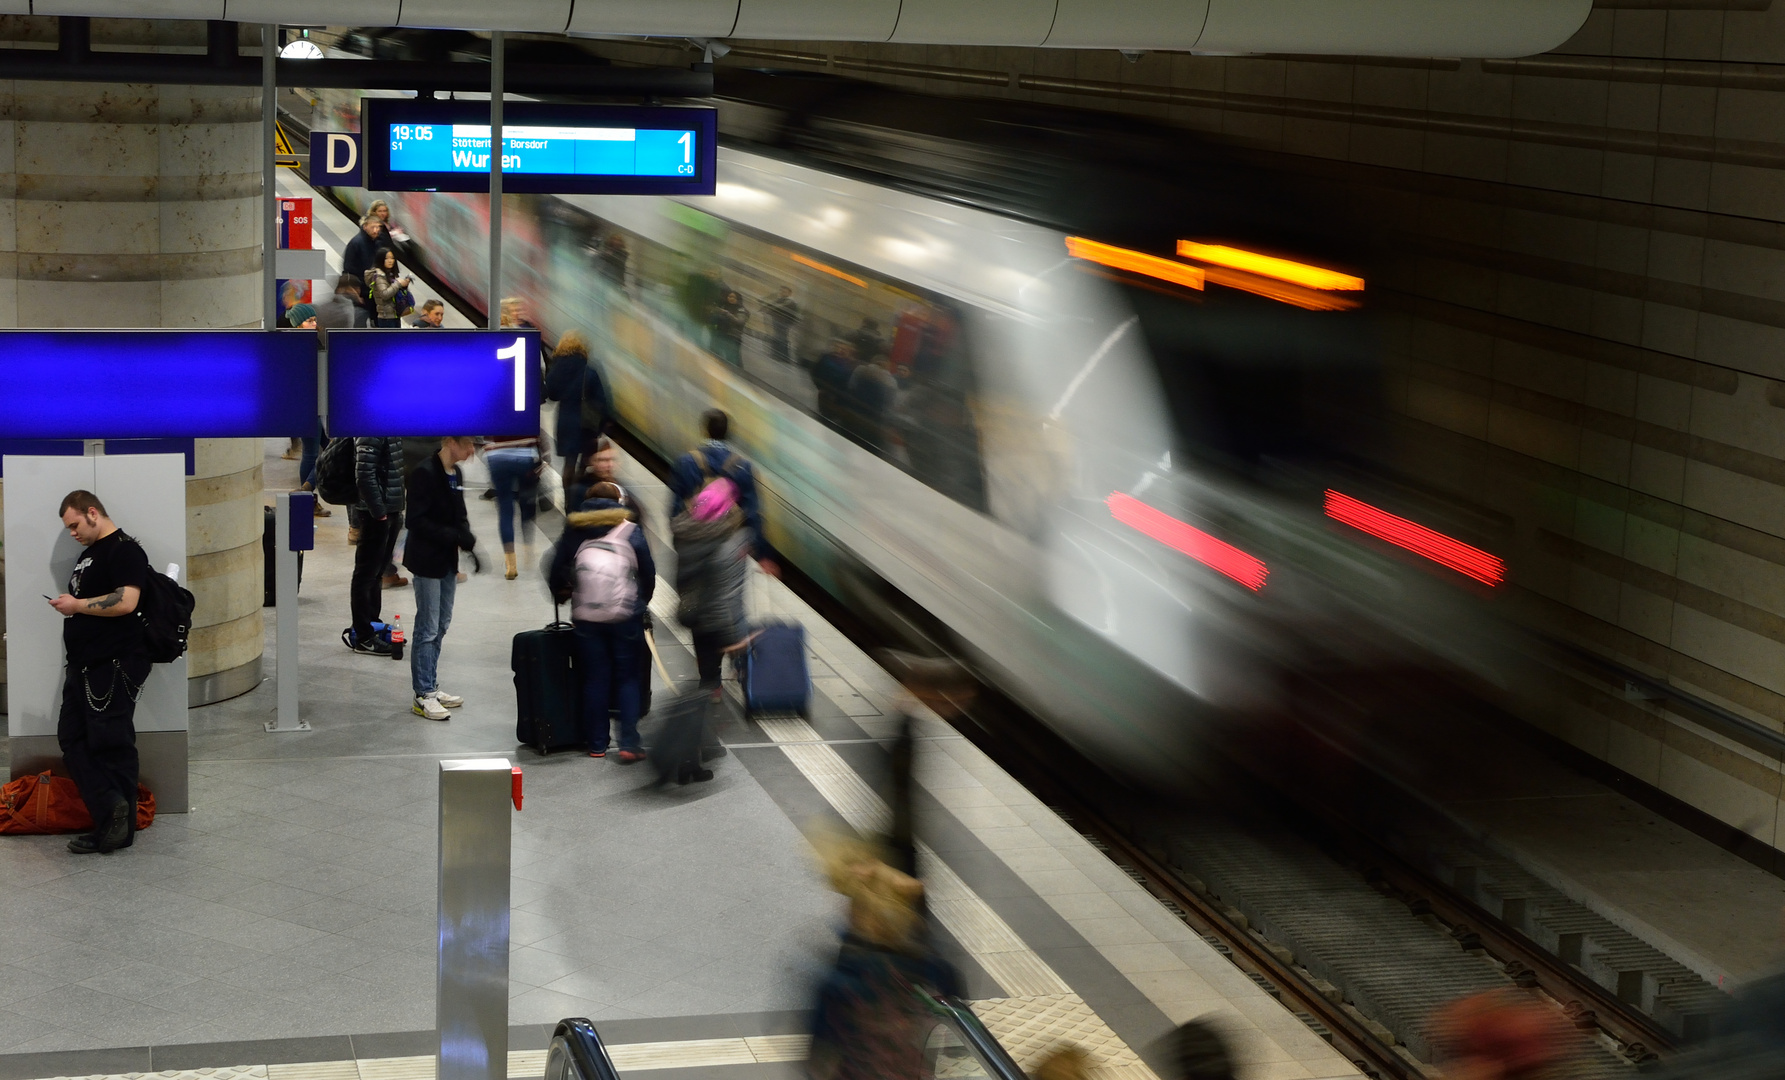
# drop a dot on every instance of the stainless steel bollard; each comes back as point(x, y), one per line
point(471, 1004)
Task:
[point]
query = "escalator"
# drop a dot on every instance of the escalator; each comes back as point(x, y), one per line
point(957, 1047)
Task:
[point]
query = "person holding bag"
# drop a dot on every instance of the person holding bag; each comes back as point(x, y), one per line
point(603, 566)
point(712, 567)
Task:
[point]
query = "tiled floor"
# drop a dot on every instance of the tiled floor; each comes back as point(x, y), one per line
point(296, 901)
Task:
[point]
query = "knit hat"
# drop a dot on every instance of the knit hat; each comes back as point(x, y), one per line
point(299, 314)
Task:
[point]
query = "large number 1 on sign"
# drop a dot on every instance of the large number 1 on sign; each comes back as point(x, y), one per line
point(518, 353)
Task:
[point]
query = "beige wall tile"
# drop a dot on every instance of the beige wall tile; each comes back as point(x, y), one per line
point(1750, 656)
point(1630, 177)
point(1682, 183)
point(1634, 752)
point(1643, 613)
point(1466, 155)
point(1557, 168)
point(1633, 106)
point(1656, 472)
point(1742, 499)
point(1742, 190)
point(1664, 402)
point(1694, 35)
point(1713, 791)
point(1605, 457)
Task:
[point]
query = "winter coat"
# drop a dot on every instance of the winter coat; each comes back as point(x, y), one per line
point(378, 469)
point(592, 522)
point(382, 287)
point(868, 1022)
point(688, 478)
point(438, 526)
point(564, 385)
point(712, 567)
point(358, 256)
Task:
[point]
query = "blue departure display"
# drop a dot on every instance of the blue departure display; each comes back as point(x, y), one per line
point(433, 382)
point(423, 144)
point(148, 384)
point(541, 150)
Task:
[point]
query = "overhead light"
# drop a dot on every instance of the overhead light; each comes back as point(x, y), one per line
point(1443, 550)
point(1136, 262)
point(1215, 554)
point(1312, 277)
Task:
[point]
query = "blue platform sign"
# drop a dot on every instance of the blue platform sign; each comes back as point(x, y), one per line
point(433, 382)
point(156, 384)
point(335, 159)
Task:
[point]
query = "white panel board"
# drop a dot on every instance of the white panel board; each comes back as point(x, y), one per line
point(1504, 28)
point(39, 557)
point(817, 20)
point(535, 16)
point(146, 496)
point(982, 22)
point(689, 18)
point(1133, 24)
point(132, 9)
point(314, 12)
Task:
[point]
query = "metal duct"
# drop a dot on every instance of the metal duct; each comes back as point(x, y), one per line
point(1484, 28)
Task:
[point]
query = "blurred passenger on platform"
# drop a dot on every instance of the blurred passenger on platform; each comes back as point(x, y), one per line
point(726, 321)
point(717, 458)
point(784, 317)
point(392, 231)
point(1503, 1035)
point(1197, 1051)
point(867, 341)
point(612, 259)
point(1069, 1062)
point(438, 530)
point(514, 475)
point(712, 567)
point(107, 662)
point(362, 251)
point(302, 316)
point(872, 391)
point(603, 567)
point(390, 290)
point(565, 383)
point(342, 310)
point(869, 1020)
point(514, 313)
point(288, 299)
point(430, 316)
point(378, 465)
point(830, 375)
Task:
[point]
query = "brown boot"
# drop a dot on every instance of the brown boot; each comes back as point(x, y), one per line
point(509, 570)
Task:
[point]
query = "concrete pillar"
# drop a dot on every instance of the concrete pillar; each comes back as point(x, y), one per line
point(138, 206)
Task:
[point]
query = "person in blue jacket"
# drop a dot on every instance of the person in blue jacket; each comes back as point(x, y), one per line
point(607, 642)
point(712, 460)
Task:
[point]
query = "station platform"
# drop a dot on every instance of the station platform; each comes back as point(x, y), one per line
point(285, 928)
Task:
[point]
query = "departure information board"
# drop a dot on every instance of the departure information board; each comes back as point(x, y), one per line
point(428, 145)
point(433, 382)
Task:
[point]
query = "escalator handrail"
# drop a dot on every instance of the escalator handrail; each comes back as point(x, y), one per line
point(583, 1044)
point(967, 1024)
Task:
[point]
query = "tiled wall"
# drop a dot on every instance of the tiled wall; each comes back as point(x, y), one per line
point(1587, 322)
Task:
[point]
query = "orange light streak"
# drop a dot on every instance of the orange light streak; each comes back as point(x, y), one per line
point(1136, 262)
point(1312, 277)
point(823, 269)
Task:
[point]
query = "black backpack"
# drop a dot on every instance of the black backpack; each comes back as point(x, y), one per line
point(166, 611)
point(337, 479)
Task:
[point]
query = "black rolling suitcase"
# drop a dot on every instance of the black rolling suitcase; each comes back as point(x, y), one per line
point(681, 731)
point(548, 688)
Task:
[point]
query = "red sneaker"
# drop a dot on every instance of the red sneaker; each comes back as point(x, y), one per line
point(631, 757)
point(598, 753)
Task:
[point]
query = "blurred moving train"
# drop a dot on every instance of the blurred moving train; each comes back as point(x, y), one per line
point(1091, 394)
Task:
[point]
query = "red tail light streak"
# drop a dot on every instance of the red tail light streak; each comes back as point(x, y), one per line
point(1471, 561)
point(1215, 554)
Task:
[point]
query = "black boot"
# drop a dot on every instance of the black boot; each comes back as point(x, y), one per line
point(114, 833)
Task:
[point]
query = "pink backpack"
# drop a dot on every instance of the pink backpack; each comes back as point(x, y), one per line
point(606, 577)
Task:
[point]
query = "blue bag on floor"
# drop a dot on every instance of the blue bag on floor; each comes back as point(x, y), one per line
point(775, 676)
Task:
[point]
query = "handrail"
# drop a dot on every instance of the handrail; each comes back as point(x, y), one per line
point(967, 1024)
point(578, 1054)
point(1723, 721)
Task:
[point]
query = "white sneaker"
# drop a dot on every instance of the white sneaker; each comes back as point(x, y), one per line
point(451, 701)
point(428, 707)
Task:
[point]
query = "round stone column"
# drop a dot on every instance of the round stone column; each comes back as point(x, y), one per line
point(139, 206)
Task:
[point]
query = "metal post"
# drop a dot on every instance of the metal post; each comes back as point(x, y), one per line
point(285, 589)
point(471, 1006)
point(497, 63)
point(269, 210)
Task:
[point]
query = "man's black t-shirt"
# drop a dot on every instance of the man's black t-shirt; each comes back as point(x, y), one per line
point(112, 562)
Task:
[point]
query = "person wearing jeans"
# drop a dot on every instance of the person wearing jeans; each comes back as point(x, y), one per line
point(378, 467)
point(606, 611)
point(438, 530)
point(512, 463)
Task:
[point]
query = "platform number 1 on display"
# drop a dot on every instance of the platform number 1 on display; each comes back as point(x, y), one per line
point(518, 353)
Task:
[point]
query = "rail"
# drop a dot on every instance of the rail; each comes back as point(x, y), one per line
point(970, 1034)
point(578, 1054)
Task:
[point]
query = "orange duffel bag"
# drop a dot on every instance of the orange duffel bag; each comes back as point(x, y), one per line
point(46, 803)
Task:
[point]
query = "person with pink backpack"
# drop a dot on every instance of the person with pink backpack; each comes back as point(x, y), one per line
point(603, 568)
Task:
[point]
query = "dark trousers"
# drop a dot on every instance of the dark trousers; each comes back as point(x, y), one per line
point(377, 541)
point(608, 654)
point(97, 733)
point(709, 655)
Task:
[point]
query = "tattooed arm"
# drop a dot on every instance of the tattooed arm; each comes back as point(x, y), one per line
point(111, 605)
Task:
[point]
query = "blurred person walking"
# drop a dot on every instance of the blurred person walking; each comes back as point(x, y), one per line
point(514, 476)
point(389, 289)
point(869, 1020)
point(784, 315)
point(438, 530)
point(378, 472)
point(712, 568)
point(107, 664)
point(603, 567)
point(726, 321)
point(1503, 1035)
point(717, 458)
point(361, 253)
point(342, 310)
point(566, 382)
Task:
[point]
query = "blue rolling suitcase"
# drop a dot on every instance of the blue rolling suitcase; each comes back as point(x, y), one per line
point(775, 677)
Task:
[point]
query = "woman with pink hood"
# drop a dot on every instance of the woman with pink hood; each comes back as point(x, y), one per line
point(712, 560)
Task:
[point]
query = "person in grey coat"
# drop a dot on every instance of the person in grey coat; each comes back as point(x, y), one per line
point(378, 468)
point(712, 564)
